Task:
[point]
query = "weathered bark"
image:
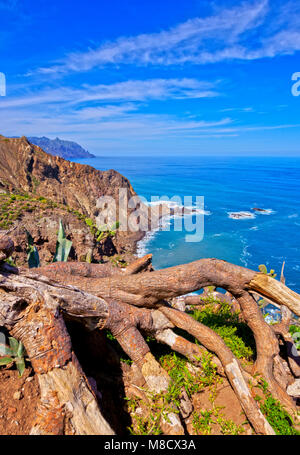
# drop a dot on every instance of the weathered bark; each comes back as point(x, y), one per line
point(266, 346)
point(122, 322)
point(139, 265)
point(276, 291)
point(68, 405)
point(282, 329)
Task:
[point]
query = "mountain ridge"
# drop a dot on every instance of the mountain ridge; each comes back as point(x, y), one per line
point(61, 147)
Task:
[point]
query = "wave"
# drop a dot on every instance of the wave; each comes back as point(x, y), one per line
point(294, 215)
point(245, 256)
point(179, 208)
point(265, 212)
point(141, 246)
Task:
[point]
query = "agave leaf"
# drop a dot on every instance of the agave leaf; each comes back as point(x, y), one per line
point(20, 364)
point(101, 236)
point(115, 226)
point(63, 249)
point(32, 252)
point(29, 238)
point(63, 245)
point(5, 350)
point(14, 345)
point(33, 258)
point(61, 232)
point(21, 350)
point(5, 361)
point(262, 268)
point(103, 228)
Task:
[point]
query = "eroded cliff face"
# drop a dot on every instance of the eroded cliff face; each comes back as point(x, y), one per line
point(26, 168)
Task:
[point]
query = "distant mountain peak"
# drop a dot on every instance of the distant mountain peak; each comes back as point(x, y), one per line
point(60, 147)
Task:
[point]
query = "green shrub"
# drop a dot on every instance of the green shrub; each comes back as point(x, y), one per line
point(236, 335)
point(278, 417)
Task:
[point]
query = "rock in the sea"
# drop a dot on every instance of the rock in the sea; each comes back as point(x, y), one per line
point(241, 215)
point(256, 209)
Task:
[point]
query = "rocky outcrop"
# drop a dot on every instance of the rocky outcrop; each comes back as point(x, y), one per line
point(42, 222)
point(26, 168)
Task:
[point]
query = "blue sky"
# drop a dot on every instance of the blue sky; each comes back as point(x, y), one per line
point(172, 77)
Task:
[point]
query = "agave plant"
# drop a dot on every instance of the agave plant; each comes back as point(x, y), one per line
point(105, 232)
point(32, 252)
point(63, 245)
point(15, 353)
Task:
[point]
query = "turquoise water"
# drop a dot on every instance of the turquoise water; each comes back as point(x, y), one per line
point(228, 184)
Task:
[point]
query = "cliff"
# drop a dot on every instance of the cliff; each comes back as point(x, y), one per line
point(71, 191)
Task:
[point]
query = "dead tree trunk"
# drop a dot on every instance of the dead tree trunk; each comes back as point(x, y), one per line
point(33, 306)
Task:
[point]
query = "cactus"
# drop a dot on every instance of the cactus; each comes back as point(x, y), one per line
point(263, 269)
point(63, 245)
point(32, 252)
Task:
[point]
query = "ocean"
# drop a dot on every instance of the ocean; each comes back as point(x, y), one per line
point(229, 185)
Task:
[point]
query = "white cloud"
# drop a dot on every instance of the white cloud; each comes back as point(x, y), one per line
point(121, 126)
point(131, 90)
point(221, 36)
point(237, 109)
